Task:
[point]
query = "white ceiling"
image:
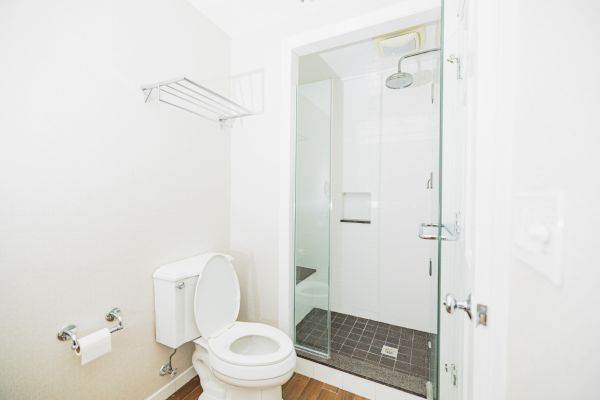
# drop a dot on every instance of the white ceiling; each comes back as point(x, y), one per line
point(282, 17)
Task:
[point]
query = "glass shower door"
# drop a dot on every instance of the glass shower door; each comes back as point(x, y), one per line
point(312, 217)
point(454, 324)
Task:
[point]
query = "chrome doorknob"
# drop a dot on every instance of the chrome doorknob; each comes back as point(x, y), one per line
point(452, 304)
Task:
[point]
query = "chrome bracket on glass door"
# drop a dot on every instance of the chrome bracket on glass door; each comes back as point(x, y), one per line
point(446, 233)
point(455, 60)
point(451, 368)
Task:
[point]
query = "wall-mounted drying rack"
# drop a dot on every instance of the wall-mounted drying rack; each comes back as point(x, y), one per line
point(190, 96)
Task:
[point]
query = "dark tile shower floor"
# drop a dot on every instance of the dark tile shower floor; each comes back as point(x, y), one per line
point(357, 344)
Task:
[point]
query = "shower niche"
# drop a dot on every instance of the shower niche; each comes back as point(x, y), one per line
point(366, 155)
point(356, 207)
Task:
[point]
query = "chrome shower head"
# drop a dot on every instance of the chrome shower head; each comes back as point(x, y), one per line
point(399, 80)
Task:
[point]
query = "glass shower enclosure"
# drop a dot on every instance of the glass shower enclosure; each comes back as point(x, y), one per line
point(367, 218)
point(312, 217)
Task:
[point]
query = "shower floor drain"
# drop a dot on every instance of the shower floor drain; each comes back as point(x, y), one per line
point(389, 351)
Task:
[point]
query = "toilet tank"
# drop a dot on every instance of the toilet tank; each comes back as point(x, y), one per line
point(174, 290)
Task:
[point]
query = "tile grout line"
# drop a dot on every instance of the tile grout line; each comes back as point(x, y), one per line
point(349, 334)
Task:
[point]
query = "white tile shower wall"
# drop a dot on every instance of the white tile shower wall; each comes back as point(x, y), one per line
point(98, 188)
point(312, 176)
point(388, 150)
point(408, 157)
point(354, 279)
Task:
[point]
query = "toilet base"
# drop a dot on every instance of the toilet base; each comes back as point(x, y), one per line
point(234, 393)
point(215, 389)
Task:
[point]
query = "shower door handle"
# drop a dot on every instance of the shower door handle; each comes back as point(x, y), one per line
point(423, 235)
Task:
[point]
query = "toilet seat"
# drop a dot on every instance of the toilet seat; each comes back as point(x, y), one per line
point(251, 370)
point(264, 345)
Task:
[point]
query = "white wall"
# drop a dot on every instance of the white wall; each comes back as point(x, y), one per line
point(536, 134)
point(255, 182)
point(97, 188)
point(380, 270)
point(553, 348)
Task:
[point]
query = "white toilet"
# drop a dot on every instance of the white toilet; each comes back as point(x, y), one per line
point(199, 299)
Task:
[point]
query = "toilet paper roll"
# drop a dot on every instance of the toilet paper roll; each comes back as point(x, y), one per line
point(94, 345)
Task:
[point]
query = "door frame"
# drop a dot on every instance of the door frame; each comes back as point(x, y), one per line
point(492, 35)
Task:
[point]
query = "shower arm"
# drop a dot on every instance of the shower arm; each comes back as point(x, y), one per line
point(416, 53)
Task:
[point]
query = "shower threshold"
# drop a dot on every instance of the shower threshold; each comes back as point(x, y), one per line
point(388, 354)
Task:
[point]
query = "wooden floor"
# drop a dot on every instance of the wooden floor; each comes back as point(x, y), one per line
point(299, 387)
point(190, 391)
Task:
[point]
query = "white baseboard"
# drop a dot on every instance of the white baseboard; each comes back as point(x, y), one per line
point(173, 386)
point(351, 383)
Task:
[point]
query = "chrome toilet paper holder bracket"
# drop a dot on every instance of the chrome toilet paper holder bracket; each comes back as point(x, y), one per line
point(69, 332)
point(114, 314)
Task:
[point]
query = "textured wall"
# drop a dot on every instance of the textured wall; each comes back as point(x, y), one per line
point(97, 188)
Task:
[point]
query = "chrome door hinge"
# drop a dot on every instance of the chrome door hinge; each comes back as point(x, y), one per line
point(452, 59)
point(451, 368)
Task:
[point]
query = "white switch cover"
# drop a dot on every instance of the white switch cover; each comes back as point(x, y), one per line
point(538, 237)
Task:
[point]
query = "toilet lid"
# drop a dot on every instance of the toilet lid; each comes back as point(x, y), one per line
point(217, 298)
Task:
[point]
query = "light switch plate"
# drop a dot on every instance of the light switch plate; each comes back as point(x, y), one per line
point(538, 233)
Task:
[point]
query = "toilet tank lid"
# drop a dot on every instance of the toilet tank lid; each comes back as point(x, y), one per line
point(186, 268)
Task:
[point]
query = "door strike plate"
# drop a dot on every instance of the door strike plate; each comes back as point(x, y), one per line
point(482, 314)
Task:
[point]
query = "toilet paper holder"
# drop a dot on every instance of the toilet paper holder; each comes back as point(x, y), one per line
point(69, 332)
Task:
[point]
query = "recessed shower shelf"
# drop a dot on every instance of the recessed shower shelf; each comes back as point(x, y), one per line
point(190, 96)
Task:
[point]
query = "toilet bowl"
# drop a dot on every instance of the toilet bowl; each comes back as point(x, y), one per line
point(250, 355)
point(234, 359)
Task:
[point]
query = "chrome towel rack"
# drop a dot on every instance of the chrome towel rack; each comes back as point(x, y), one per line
point(187, 95)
